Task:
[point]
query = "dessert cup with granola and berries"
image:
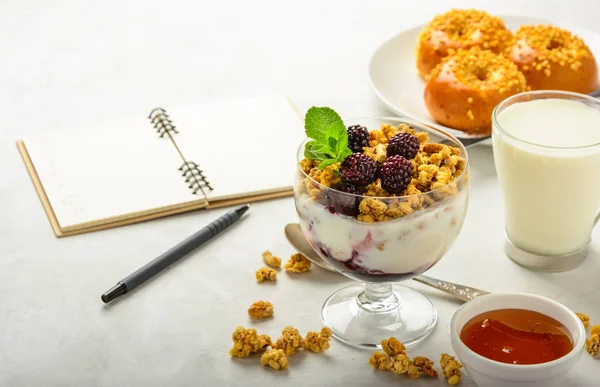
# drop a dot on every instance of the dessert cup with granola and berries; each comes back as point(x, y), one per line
point(384, 211)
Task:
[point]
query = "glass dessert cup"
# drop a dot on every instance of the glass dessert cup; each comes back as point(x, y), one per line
point(417, 233)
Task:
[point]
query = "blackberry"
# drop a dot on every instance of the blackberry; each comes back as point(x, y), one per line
point(403, 144)
point(358, 138)
point(342, 203)
point(358, 169)
point(396, 174)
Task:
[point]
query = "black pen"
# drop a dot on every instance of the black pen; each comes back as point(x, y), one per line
point(158, 264)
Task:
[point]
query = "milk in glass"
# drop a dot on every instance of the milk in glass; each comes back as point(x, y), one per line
point(549, 171)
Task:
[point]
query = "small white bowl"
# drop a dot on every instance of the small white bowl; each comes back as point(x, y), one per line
point(491, 373)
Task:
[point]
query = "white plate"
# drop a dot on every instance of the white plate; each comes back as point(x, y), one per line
point(396, 82)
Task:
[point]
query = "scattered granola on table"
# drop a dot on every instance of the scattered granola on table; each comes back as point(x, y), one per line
point(270, 259)
point(380, 361)
point(592, 345)
point(425, 365)
point(414, 372)
point(585, 319)
point(297, 264)
point(261, 309)
point(396, 359)
point(247, 342)
point(392, 347)
point(317, 341)
point(289, 341)
point(274, 358)
point(265, 273)
point(451, 368)
point(399, 363)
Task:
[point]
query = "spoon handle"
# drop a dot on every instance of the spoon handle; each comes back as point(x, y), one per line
point(459, 291)
point(322, 264)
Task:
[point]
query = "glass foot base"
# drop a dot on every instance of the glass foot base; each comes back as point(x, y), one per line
point(358, 326)
point(548, 263)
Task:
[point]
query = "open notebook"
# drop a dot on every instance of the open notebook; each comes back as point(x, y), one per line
point(164, 162)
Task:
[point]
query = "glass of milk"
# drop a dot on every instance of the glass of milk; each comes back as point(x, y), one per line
point(547, 155)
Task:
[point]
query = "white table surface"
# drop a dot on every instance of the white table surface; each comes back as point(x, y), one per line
point(69, 62)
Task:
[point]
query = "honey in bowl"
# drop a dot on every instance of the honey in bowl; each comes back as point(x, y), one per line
point(517, 336)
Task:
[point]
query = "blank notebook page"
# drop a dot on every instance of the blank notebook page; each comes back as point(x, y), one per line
point(121, 168)
point(245, 151)
point(106, 171)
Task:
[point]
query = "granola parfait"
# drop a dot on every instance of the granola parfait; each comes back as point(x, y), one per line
point(381, 200)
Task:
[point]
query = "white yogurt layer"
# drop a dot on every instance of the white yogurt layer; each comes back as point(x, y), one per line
point(397, 246)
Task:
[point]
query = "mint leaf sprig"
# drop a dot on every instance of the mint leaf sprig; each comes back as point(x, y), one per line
point(329, 143)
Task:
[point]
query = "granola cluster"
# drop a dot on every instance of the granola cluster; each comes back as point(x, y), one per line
point(297, 264)
point(261, 309)
point(428, 177)
point(317, 341)
point(380, 361)
point(270, 259)
point(266, 274)
point(387, 131)
point(289, 341)
point(401, 364)
point(394, 358)
point(274, 358)
point(592, 345)
point(435, 168)
point(327, 177)
point(392, 346)
point(425, 365)
point(585, 319)
point(247, 342)
point(451, 368)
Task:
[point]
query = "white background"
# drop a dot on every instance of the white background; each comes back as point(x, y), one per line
point(81, 62)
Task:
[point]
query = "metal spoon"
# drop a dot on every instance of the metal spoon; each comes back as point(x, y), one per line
point(296, 237)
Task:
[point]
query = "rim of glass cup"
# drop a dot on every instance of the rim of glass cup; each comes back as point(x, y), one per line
point(537, 93)
point(457, 142)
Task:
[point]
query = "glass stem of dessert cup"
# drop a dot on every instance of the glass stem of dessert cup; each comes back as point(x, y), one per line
point(378, 297)
point(363, 314)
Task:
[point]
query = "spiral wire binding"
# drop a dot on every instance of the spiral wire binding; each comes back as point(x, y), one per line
point(161, 121)
point(194, 175)
point(190, 170)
